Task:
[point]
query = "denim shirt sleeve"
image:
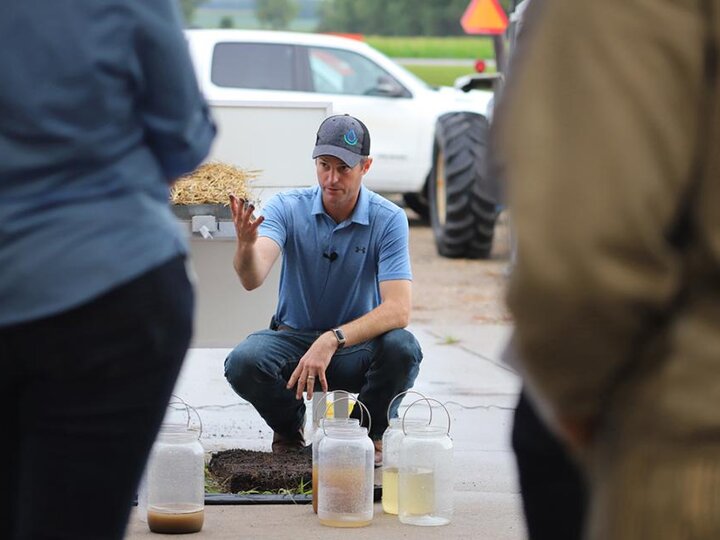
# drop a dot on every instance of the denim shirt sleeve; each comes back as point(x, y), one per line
point(178, 125)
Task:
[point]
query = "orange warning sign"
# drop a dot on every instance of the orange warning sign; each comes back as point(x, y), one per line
point(484, 17)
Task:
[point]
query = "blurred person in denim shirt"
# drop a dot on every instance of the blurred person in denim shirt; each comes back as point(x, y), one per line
point(99, 112)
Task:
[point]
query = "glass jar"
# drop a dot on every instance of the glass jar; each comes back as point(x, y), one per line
point(345, 477)
point(325, 423)
point(391, 439)
point(176, 481)
point(425, 479)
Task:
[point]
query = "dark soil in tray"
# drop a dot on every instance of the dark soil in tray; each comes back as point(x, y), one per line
point(249, 470)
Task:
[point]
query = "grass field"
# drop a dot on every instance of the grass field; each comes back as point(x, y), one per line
point(457, 48)
point(438, 75)
point(468, 48)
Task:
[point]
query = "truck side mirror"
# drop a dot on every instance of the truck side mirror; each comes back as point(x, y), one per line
point(388, 87)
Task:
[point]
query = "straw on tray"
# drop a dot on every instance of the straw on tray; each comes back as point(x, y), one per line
point(212, 183)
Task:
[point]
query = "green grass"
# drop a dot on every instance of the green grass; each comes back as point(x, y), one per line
point(214, 487)
point(305, 488)
point(438, 75)
point(449, 340)
point(211, 485)
point(470, 48)
point(459, 48)
point(462, 47)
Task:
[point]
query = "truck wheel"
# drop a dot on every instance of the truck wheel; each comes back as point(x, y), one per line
point(463, 209)
point(418, 203)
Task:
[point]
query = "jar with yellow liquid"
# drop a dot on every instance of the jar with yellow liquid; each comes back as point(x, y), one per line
point(345, 477)
point(392, 437)
point(425, 474)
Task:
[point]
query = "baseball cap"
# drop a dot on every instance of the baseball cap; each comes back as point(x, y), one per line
point(344, 137)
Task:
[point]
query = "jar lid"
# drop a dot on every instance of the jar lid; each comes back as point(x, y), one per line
point(339, 422)
point(172, 431)
point(346, 432)
point(173, 427)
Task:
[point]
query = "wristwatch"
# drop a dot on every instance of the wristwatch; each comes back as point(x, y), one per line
point(340, 336)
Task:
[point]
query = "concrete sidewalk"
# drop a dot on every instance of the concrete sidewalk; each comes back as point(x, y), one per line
point(461, 369)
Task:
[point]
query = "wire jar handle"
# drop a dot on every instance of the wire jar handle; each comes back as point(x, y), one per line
point(357, 402)
point(174, 400)
point(316, 419)
point(405, 393)
point(428, 400)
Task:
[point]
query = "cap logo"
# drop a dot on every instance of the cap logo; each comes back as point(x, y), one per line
point(351, 137)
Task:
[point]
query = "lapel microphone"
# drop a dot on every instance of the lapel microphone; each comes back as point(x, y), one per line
point(330, 256)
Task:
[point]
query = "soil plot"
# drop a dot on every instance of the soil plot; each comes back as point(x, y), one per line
point(240, 470)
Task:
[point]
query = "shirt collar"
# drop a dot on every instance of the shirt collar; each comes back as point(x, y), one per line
point(361, 212)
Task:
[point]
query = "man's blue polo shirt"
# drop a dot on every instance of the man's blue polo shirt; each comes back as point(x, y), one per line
point(319, 292)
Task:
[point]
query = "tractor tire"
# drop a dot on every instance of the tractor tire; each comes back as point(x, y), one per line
point(463, 205)
point(418, 203)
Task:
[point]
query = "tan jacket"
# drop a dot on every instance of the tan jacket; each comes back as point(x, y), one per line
point(611, 130)
point(607, 122)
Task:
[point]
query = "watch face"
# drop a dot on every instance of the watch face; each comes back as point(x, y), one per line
point(339, 335)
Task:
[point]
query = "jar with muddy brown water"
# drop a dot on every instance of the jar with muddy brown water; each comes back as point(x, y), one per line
point(345, 477)
point(176, 481)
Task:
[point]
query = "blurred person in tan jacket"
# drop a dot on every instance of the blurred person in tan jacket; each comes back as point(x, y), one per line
point(611, 129)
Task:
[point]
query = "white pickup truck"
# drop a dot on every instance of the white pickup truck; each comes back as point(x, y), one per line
point(428, 144)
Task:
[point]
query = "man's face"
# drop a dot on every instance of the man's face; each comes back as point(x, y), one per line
point(340, 184)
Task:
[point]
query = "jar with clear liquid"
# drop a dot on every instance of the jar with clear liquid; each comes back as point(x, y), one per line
point(175, 481)
point(425, 476)
point(345, 477)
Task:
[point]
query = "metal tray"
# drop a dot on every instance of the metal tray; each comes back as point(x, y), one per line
point(187, 211)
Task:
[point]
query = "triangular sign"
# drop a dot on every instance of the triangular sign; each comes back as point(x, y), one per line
point(484, 17)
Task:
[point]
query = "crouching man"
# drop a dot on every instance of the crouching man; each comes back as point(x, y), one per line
point(344, 298)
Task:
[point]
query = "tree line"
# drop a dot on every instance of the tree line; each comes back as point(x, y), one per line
point(376, 17)
point(394, 17)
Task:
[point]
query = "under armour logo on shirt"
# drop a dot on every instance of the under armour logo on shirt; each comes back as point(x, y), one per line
point(359, 249)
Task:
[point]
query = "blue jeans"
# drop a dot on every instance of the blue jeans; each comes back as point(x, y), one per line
point(258, 370)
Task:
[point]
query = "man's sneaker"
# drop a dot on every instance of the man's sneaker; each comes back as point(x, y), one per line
point(288, 444)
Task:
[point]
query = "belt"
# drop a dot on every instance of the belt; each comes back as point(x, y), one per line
point(286, 328)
